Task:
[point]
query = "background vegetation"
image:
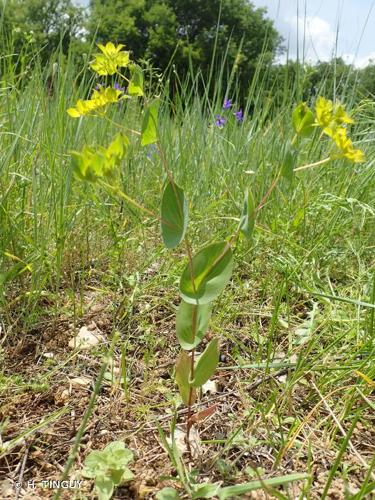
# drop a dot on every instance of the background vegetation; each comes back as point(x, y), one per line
point(295, 385)
point(215, 37)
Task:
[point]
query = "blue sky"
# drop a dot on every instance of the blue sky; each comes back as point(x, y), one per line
point(318, 22)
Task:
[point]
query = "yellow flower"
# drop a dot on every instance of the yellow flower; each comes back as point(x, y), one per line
point(324, 111)
point(330, 117)
point(355, 155)
point(110, 59)
point(341, 139)
point(99, 99)
point(346, 147)
point(341, 115)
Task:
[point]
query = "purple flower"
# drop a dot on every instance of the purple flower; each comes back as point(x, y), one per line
point(117, 86)
point(239, 115)
point(98, 86)
point(227, 104)
point(220, 121)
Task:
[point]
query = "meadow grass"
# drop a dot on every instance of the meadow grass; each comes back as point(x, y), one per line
point(298, 313)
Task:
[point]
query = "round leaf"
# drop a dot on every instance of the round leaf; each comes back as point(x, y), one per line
point(211, 270)
point(192, 323)
point(174, 215)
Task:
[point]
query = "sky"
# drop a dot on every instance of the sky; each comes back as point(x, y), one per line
point(319, 23)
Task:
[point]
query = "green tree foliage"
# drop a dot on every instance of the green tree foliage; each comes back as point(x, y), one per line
point(189, 31)
point(41, 25)
point(367, 80)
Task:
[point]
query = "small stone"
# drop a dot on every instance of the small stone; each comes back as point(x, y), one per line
point(86, 339)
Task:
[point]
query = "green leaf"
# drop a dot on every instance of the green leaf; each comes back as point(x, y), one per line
point(192, 323)
point(135, 87)
point(211, 268)
point(174, 215)
point(242, 489)
point(149, 133)
point(104, 486)
point(287, 169)
point(303, 120)
point(247, 221)
point(117, 149)
point(206, 364)
point(95, 463)
point(90, 164)
point(182, 376)
point(206, 491)
point(167, 494)
point(116, 455)
point(121, 476)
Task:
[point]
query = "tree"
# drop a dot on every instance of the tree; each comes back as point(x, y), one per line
point(190, 31)
point(44, 24)
point(367, 80)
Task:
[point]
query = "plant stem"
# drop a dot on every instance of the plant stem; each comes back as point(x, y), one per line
point(127, 198)
point(277, 178)
point(267, 195)
point(190, 258)
point(189, 422)
point(311, 165)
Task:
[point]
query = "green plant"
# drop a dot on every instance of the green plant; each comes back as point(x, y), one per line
point(207, 271)
point(108, 468)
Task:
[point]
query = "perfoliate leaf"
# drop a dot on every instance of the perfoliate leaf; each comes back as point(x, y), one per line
point(174, 215)
point(211, 270)
point(287, 169)
point(303, 120)
point(247, 221)
point(150, 123)
point(206, 364)
point(182, 375)
point(192, 323)
point(135, 87)
point(91, 164)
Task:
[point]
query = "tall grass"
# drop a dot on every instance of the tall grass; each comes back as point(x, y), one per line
point(313, 245)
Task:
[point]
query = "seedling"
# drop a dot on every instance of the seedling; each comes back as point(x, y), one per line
point(108, 468)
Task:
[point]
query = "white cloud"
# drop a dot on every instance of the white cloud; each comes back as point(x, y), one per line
point(315, 36)
point(359, 62)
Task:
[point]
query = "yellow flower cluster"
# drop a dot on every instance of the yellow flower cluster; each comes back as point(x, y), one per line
point(110, 58)
point(99, 99)
point(332, 119)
